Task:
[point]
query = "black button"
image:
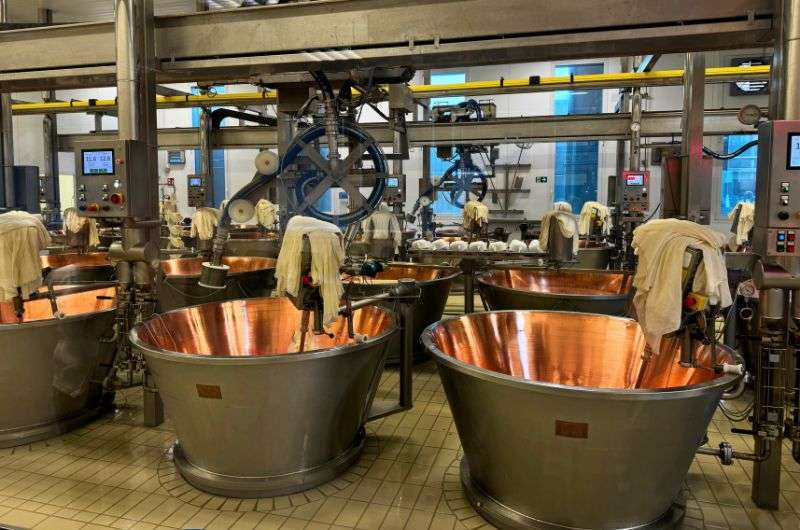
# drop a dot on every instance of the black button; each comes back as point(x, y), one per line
point(783, 216)
point(82, 208)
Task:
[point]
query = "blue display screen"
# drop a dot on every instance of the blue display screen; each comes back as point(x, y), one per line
point(98, 161)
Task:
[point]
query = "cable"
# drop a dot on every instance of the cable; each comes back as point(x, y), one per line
point(654, 212)
point(734, 154)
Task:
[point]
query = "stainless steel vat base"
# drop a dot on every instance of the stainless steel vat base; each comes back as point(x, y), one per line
point(34, 433)
point(274, 486)
point(502, 516)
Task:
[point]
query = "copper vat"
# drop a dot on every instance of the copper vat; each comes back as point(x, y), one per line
point(434, 283)
point(53, 370)
point(585, 291)
point(254, 417)
point(248, 277)
point(79, 268)
point(252, 242)
point(591, 436)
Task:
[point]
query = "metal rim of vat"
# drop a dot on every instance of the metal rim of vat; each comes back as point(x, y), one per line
point(484, 284)
point(454, 272)
point(49, 321)
point(504, 517)
point(267, 265)
point(254, 487)
point(194, 358)
point(678, 392)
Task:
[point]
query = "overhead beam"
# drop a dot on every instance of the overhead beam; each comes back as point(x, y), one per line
point(539, 129)
point(336, 35)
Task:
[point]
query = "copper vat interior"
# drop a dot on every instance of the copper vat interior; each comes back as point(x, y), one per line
point(569, 281)
point(193, 266)
point(574, 349)
point(251, 328)
point(70, 304)
point(252, 233)
point(393, 273)
point(91, 259)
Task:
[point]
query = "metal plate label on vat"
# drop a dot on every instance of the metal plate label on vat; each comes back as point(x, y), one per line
point(209, 391)
point(572, 429)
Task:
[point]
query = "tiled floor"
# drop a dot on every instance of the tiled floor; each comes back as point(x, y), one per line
point(116, 473)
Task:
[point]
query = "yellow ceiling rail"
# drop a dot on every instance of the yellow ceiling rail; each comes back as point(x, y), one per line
point(472, 88)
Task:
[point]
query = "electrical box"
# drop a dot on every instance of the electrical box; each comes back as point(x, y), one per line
point(635, 191)
point(198, 192)
point(111, 179)
point(777, 218)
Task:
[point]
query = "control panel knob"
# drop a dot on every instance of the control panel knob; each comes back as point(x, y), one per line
point(783, 215)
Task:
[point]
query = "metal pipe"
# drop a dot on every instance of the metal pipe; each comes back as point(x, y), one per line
point(7, 132)
point(634, 161)
point(206, 151)
point(695, 194)
point(409, 338)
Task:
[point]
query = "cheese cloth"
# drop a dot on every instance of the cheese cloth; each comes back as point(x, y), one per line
point(562, 206)
point(266, 213)
point(587, 211)
point(383, 225)
point(74, 223)
point(204, 222)
point(567, 225)
point(22, 237)
point(746, 221)
point(173, 219)
point(661, 245)
point(475, 213)
point(327, 256)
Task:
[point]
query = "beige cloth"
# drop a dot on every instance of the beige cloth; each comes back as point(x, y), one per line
point(22, 238)
point(421, 244)
point(475, 214)
point(562, 206)
point(327, 256)
point(567, 225)
point(173, 219)
point(661, 246)
point(517, 246)
point(478, 246)
point(266, 213)
point(746, 221)
point(204, 222)
point(498, 246)
point(590, 210)
point(440, 244)
point(459, 245)
point(74, 223)
point(534, 246)
point(383, 225)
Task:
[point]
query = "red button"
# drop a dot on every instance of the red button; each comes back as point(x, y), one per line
point(791, 236)
point(790, 247)
point(93, 207)
point(117, 198)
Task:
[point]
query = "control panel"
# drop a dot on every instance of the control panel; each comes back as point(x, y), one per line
point(198, 192)
point(106, 176)
point(777, 218)
point(635, 191)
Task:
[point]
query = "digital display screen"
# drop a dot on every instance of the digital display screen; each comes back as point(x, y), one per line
point(98, 161)
point(393, 182)
point(794, 151)
point(195, 181)
point(636, 179)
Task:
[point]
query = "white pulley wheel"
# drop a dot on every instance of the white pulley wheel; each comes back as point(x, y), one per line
point(267, 162)
point(241, 210)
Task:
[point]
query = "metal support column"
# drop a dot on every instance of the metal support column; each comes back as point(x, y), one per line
point(137, 256)
point(776, 358)
point(52, 196)
point(695, 190)
point(7, 133)
point(635, 156)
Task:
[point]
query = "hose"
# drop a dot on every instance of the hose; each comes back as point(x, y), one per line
point(734, 154)
point(217, 115)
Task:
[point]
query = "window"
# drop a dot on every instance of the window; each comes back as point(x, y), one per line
point(576, 162)
point(738, 174)
point(438, 167)
point(218, 191)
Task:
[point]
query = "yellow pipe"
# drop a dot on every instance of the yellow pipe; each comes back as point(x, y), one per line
point(270, 96)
